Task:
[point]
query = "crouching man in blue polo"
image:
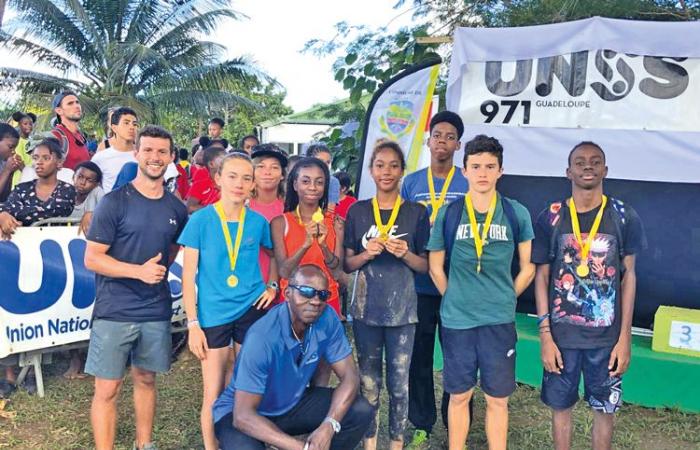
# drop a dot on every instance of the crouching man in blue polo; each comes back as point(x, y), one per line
point(269, 400)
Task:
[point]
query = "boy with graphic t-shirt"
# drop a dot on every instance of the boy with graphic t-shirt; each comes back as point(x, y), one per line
point(585, 289)
point(477, 236)
point(434, 186)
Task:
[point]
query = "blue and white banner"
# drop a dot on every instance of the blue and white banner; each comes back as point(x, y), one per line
point(47, 294)
point(631, 87)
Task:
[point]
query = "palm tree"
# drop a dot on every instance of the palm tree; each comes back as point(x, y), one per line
point(146, 54)
point(2, 10)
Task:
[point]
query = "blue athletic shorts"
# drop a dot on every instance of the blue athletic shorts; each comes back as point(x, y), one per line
point(602, 392)
point(488, 350)
point(113, 344)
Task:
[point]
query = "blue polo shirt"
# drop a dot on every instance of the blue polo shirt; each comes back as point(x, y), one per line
point(267, 364)
point(217, 303)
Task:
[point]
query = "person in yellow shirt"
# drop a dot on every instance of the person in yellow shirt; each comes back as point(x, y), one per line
point(25, 122)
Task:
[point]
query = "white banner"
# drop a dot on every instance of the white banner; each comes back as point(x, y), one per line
point(47, 294)
point(542, 89)
point(586, 89)
point(400, 112)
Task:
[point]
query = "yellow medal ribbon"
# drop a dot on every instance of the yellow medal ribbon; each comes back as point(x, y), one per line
point(384, 230)
point(437, 203)
point(480, 239)
point(582, 270)
point(231, 280)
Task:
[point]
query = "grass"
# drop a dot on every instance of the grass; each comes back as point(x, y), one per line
point(60, 421)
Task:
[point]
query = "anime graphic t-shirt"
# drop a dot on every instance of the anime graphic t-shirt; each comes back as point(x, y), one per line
point(585, 309)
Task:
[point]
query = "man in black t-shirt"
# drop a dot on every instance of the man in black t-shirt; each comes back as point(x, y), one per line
point(585, 292)
point(132, 241)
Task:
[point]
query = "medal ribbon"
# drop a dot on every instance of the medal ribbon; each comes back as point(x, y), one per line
point(479, 239)
point(385, 229)
point(232, 250)
point(585, 246)
point(437, 203)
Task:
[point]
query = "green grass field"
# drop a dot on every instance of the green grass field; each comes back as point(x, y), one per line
point(60, 421)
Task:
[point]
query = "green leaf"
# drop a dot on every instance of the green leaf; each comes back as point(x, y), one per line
point(339, 75)
point(350, 59)
point(402, 39)
point(349, 82)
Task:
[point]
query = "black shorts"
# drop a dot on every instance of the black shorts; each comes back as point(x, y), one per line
point(488, 350)
point(602, 392)
point(221, 336)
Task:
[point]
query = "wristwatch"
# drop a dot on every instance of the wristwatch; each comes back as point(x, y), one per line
point(334, 423)
point(274, 285)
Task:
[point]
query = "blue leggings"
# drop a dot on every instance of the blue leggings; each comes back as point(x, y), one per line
point(397, 345)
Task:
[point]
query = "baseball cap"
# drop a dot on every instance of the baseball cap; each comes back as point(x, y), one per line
point(270, 150)
point(59, 98)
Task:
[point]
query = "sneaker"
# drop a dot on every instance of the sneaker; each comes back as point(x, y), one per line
point(420, 440)
point(149, 446)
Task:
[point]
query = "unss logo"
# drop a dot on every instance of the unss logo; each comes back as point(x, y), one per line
point(398, 119)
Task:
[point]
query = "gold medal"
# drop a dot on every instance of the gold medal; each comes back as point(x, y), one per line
point(582, 270)
point(231, 280)
point(437, 203)
point(318, 216)
point(480, 240)
point(384, 230)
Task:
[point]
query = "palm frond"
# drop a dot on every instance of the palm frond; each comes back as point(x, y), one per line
point(86, 24)
point(28, 80)
point(202, 23)
point(199, 100)
point(166, 64)
point(49, 24)
point(142, 21)
point(222, 75)
point(22, 47)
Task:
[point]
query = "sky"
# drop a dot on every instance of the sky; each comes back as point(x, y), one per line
point(274, 33)
point(277, 30)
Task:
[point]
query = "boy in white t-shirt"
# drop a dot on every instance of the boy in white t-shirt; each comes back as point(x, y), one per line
point(124, 125)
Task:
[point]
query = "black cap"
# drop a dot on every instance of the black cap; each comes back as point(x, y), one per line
point(270, 150)
point(451, 118)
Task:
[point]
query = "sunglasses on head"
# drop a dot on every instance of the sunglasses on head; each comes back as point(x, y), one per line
point(309, 292)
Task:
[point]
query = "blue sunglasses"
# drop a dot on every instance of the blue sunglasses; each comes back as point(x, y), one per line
point(309, 292)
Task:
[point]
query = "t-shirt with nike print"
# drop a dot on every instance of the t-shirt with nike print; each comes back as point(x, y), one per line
point(385, 293)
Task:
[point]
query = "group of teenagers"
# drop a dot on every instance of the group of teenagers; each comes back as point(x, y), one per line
point(430, 253)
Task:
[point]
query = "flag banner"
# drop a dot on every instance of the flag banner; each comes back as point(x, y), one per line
point(631, 87)
point(399, 111)
point(48, 294)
